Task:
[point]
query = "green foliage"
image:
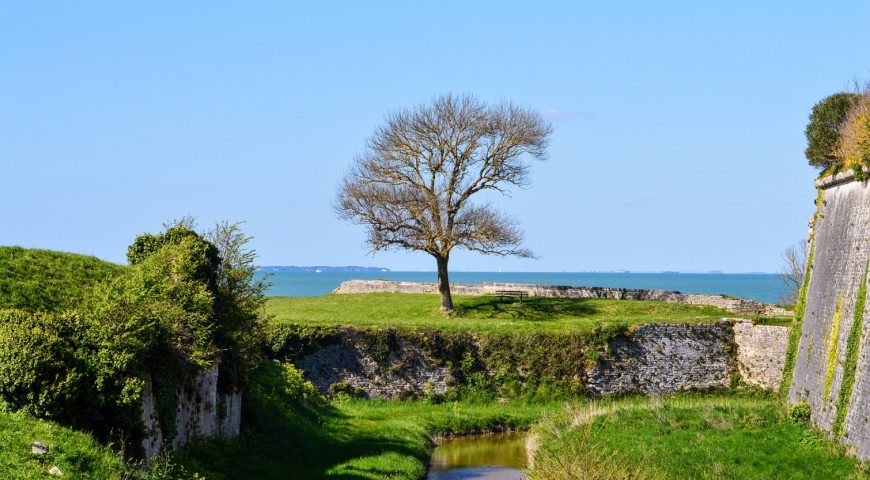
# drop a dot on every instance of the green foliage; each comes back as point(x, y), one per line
point(44, 369)
point(183, 304)
point(850, 364)
point(32, 279)
point(823, 129)
point(800, 412)
point(796, 329)
point(833, 356)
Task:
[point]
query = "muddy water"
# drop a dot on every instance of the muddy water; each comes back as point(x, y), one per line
point(480, 457)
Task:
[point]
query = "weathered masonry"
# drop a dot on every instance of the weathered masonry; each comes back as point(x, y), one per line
point(829, 358)
point(658, 358)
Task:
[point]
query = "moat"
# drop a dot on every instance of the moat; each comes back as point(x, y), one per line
point(481, 457)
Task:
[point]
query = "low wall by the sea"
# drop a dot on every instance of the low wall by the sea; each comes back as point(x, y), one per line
point(650, 359)
point(739, 306)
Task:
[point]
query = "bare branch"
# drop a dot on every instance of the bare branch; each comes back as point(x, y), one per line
point(412, 185)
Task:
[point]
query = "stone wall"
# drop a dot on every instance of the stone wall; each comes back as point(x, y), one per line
point(405, 372)
point(201, 412)
point(840, 254)
point(653, 358)
point(734, 305)
point(761, 353)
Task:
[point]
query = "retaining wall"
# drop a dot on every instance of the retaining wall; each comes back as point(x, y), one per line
point(841, 251)
point(651, 359)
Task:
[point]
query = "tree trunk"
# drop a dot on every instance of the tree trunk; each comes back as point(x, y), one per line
point(444, 284)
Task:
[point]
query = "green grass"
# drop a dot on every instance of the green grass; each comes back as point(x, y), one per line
point(685, 438)
point(75, 453)
point(46, 280)
point(483, 314)
point(286, 438)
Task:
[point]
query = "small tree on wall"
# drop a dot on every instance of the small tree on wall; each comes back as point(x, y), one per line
point(413, 186)
point(823, 129)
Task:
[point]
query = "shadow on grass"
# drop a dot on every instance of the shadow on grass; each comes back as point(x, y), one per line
point(293, 438)
point(531, 308)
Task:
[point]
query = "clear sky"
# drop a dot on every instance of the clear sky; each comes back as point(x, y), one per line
point(678, 139)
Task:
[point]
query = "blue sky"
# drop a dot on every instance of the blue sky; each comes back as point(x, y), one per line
point(678, 139)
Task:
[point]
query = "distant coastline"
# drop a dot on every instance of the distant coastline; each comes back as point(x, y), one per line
point(320, 268)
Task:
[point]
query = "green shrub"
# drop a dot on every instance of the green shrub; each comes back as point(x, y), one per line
point(45, 367)
point(823, 129)
point(853, 145)
point(800, 412)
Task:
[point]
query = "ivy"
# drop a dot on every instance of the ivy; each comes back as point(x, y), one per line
point(851, 362)
point(833, 349)
point(796, 328)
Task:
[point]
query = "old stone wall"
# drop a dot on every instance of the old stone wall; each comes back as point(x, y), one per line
point(403, 371)
point(734, 305)
point(837, 273)
point(760, 353)
point(654, 358)
point(663, 358)
point(201, 412)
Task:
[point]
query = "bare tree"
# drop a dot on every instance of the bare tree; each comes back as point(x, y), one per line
point(795, 259)
point(413, 185)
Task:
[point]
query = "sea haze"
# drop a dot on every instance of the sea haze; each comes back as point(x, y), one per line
point(763, 287)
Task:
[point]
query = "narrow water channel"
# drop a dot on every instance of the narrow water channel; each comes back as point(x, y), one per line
point(499, 456)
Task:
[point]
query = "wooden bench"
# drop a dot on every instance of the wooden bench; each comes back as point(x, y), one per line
point(501, 294)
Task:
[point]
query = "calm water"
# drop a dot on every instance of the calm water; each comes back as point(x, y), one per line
point(480, 457)
point(762, 287)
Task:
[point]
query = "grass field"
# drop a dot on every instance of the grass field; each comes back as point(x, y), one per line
point(684, 438)
point(480, 313)
point(75, 453)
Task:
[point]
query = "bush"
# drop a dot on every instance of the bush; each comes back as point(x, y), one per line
point(800, 412)
point(44, 366)
point(823, 129)
point(853, 149)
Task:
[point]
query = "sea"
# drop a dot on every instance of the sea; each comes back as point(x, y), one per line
point(763, 287)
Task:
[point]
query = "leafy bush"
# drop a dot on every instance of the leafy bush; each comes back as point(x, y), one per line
point(823, 129)
point(44, 367)
point(853, 148)
point(800, 412)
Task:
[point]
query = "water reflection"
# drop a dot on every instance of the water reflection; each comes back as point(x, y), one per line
point(480, 457)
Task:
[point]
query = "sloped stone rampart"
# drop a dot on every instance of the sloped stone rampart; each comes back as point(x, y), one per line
point(841, 245)
point(740, 306)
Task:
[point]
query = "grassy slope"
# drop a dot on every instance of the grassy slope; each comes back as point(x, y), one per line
point(34, 279)
point(75, 453)
point(711, 437)
point(480, 313)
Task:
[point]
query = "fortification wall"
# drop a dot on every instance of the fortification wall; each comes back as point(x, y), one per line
point(652, 359)
point(833, 336)
point(734, 305)
point(202, 412)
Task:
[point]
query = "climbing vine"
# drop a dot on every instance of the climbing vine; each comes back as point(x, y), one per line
point(833, 349)
point(851, 362)
point(794, 333)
